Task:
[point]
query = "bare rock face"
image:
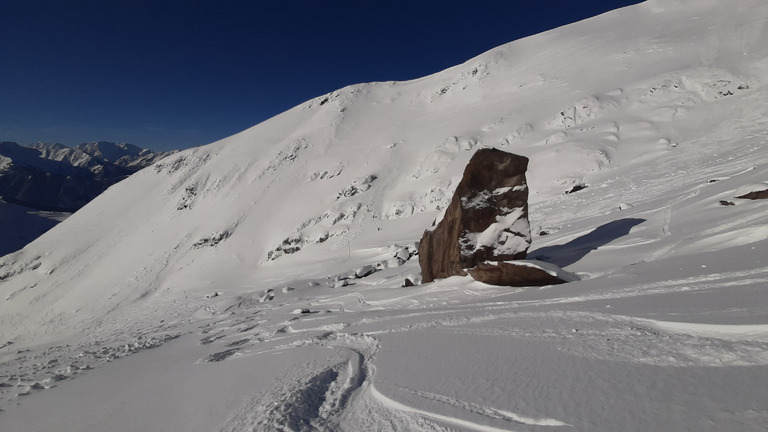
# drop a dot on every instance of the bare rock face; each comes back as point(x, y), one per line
point(755, 195)
point(487, 219)
point(520, 273)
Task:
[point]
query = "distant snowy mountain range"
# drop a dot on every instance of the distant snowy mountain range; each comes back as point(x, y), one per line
point(266, 270)
point(55, 177)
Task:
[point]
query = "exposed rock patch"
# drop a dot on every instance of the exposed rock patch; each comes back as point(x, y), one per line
point(357, 187)
point(212, 241)
point(575, 188)
point(519, 273)
point(755, 195)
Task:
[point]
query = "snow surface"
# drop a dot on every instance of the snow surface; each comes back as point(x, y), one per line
point(157, 306)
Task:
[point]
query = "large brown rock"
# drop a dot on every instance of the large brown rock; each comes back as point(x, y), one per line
point(487, 219)
point(520, 273)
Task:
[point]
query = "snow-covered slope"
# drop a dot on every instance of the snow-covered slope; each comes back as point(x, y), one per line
point(658, 109)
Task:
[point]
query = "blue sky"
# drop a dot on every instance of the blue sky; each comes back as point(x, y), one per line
point(172, 74)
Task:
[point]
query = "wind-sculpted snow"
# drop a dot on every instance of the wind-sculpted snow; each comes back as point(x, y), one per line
point(649, 116)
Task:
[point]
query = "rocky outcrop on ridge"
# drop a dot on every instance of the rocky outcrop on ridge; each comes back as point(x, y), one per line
point(487, 219)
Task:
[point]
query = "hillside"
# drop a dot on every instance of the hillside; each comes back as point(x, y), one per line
point(20, 225)
point(243, 263)
point(42, 184)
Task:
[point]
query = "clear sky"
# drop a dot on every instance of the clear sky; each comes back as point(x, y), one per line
point(172, 74)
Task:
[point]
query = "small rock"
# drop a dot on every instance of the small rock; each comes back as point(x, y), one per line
point(575, 188)
point(341, 283)
point(220, 356)
point(364, 271)
point(726, 203)
point(402, 255)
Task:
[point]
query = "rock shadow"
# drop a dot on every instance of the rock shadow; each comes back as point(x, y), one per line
point(576, 249)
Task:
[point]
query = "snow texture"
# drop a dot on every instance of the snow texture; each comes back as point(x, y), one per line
point(134, 315)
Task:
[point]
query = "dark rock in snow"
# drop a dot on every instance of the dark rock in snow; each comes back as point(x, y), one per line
point(575, 188)
point(408, 283)
point(487, 219)
point(726, 203)
point(519, 273)
point(339, 283)
point(220, 356)
point(364, 271)
point(211, 241)
point(755, 195)
point(54, 177)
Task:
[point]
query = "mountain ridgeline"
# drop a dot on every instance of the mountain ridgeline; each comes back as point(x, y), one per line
point(55, 177)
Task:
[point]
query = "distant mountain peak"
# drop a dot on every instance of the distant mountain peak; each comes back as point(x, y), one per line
point(53, 176)
point(111, 152)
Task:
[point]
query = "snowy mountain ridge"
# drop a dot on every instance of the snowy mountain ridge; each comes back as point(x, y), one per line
point(274, 259)
point(96, 153)
point(56, 177)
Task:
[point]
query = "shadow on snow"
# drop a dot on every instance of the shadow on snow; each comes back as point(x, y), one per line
point(576, 249)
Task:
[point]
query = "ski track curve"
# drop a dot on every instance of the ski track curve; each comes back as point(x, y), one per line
point(316, 399)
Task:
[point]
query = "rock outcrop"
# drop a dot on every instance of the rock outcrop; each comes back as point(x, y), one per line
point(755, 195)
point(487, 219)
point(520, 273)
